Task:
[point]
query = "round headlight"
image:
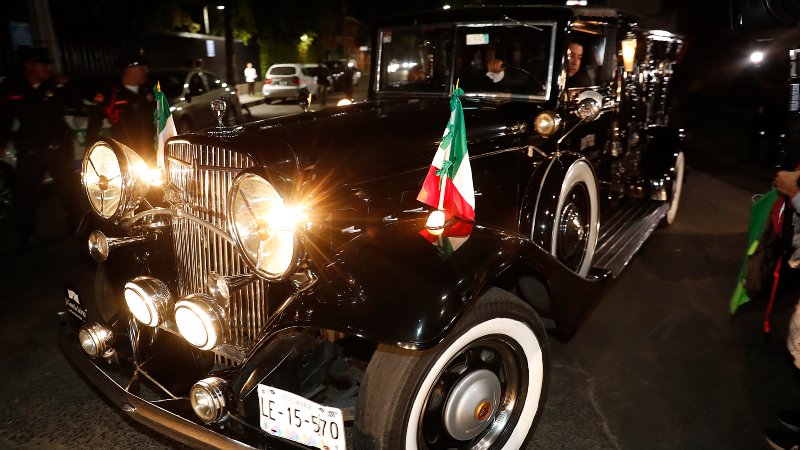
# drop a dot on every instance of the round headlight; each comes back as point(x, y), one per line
point(102, 178)
point(115, 178)
point(547, 123)
point(148, 300)
point(208, 398)
point(199, 321)
point(263, 226)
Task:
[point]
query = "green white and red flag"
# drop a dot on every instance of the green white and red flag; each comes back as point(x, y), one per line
point(165, 124)
point(448, 185)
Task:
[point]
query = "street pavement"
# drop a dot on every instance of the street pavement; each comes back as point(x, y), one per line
point(659, 364)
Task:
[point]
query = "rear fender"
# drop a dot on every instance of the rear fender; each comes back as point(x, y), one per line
point(394, 286)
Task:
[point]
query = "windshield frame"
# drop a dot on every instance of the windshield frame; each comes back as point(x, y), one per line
point(456, 26)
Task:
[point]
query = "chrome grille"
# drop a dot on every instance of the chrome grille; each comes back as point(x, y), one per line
point(201, 176)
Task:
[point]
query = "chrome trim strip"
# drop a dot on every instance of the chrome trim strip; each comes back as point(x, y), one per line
point(182, 215)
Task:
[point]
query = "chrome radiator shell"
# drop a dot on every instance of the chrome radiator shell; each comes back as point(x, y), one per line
point(198, 179)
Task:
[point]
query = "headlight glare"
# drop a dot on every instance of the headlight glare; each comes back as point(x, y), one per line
point(199, 321)
point(263, 226)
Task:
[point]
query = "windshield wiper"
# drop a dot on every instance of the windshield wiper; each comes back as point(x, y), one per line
point(509, 19)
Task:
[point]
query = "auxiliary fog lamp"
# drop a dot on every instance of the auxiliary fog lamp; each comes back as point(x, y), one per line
point(148, 299)
point(199, 319)
point(96, 340)
point(209, 399)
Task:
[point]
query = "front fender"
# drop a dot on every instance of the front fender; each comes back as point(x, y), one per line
point(394, 286)
point(541, 197)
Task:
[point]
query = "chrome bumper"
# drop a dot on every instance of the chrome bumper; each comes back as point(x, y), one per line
point(148, 414)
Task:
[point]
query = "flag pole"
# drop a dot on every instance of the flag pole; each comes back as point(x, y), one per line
point(443, 181)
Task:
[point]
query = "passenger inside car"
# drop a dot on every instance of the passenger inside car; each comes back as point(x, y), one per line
point(577, 76)
point(507, 60)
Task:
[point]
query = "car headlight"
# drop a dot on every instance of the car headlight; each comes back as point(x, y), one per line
point(263, 226)
point(115, 178)
point(199, 320)
point(547, 123)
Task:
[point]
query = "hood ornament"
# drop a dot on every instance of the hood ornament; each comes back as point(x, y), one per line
point(219, 107)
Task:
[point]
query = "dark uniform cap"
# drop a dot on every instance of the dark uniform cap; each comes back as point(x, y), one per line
point(35, 54)
point(131, 58)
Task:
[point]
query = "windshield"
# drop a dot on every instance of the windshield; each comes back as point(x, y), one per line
point(416, 59)
point(490, 60)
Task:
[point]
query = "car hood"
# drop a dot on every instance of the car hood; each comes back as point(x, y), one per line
point(370, 141)
point(362, 166)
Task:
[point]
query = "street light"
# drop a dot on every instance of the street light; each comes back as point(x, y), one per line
point(205, 14)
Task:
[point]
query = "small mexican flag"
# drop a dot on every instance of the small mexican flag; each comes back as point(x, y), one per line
point(448, 185)
point(165, 125)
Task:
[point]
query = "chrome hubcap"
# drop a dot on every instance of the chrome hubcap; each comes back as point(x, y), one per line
point(573, 228)
point(474, 399)
point(471, 404)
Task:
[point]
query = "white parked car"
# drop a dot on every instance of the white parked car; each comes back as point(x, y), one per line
point(285, 81)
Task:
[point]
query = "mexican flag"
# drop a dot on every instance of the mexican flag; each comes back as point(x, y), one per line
point(165, 125)
point(448, 185)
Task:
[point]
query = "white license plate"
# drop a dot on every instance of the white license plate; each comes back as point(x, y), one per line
point(298, 419)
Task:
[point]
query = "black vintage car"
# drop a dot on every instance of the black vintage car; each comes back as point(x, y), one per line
point(278, 286)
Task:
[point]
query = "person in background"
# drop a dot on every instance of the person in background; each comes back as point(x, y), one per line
point(250, 76)
point(788, 437)
point(576, 73)
point(128, 106)
point(323, 82)
point(38, 101)
point(347, 80)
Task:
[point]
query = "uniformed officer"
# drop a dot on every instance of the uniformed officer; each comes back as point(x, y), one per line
point(37, 101)
point(128, 106)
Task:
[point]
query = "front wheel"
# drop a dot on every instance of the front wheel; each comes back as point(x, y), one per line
point(482, 387)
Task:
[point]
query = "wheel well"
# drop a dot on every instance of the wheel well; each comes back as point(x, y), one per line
point(531, 287)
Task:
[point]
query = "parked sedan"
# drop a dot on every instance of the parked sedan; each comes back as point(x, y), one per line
point(286, 81)
point(189, 92)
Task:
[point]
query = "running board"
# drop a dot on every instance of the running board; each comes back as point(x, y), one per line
point(622, 234)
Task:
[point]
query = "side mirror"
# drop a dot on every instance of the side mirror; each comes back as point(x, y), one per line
point(588, 109)
point(589, 105)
